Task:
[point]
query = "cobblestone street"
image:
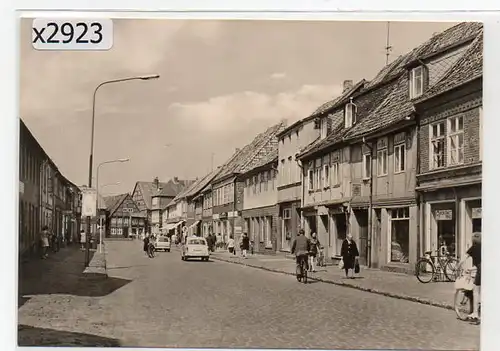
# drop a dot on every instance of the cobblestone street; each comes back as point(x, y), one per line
point(165, 302)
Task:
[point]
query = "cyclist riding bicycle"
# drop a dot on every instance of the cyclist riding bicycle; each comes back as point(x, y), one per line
point(301, 247)
point(474, 252)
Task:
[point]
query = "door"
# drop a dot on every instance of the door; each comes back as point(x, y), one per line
point(362, 219)
point(125, 232)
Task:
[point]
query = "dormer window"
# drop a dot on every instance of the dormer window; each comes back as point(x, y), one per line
point(324, 128)
point(350, 114)
point(417, 81)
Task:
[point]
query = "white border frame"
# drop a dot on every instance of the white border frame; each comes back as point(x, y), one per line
point(412, 10)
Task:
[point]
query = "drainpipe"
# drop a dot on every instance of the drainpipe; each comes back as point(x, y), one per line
point(370, 207)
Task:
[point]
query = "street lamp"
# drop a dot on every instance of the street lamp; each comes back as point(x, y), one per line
point(91, 156)
point(120, 160)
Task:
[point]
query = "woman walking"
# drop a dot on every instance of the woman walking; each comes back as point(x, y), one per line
point(350, 254)
point(314, 248)
point(230, 245)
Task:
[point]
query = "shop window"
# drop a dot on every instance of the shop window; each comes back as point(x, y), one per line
point(286, 227)
point(400, 238)
point(445, 223)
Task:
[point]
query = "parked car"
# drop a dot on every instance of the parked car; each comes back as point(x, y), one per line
point(162, 243)
point(195, 248)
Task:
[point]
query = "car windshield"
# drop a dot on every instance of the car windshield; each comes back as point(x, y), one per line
point(196, 242)
point(163, 239)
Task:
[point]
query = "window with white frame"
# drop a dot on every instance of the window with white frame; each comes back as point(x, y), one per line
point(310, 179)
point(326, 176)
point(350, 114)
point(455, 140)
point(367, 166)
point(319, 177)
point(400, 239)
point(436, 147)
point(481, 133)
point(416, 82)
point(382, 162)
point(399, 158)
point(324, 128)
point(335, 174)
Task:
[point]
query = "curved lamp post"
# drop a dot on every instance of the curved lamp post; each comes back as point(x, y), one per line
point(120, 160)
point(91, 156)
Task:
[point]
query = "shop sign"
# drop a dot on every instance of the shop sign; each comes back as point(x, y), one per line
point(444, 215)
point(337, 210)
point(476, 213)
point(237, 230)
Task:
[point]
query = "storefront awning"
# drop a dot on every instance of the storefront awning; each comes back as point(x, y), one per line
point(194, 224)
point(171, 226)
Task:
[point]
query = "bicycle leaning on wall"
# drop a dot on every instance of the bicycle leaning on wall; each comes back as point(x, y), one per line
point(433, 266)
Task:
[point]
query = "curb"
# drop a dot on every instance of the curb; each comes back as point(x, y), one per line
point(97, 267)
point(348, 285)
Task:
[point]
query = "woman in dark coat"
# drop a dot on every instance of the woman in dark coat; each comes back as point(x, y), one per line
point(349, 253)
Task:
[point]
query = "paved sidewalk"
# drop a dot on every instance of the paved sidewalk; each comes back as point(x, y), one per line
point(397, 285)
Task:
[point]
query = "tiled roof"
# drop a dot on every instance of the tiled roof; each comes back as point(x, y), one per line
point(467, 68)
point(201, 183)
point(183, 193)
point(385, 100)
point(326, 107)
point(113, 202)
point(250, 152)
point(170, 188)
point(365, 104)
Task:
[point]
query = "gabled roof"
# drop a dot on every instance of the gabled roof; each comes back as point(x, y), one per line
point(385, 100)
point(182, 194)
point(114, 202)
point(469, 67)
point(201, 183)
point(365, 103)
point(251, 151)
point(326, 107)
point(168, 189)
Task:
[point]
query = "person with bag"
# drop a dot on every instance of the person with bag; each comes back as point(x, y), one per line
point(350, 254)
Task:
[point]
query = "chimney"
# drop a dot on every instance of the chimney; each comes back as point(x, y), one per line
point(347, 85)
point(156, 182)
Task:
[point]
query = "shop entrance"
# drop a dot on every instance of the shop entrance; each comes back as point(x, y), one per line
point(472, 222)
point(444, 228)
point(362, 220)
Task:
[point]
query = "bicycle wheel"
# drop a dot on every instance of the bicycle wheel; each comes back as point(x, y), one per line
point(463, 304)
point(298, 273)
point(424, 270)
point(304, 274)
point(451, 269)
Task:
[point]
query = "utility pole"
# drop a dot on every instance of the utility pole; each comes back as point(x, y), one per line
point(388, 47)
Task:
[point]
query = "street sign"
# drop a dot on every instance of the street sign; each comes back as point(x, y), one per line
point(89, 197)
point(444, 215)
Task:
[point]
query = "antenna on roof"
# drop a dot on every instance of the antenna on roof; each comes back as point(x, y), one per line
point(388, 47)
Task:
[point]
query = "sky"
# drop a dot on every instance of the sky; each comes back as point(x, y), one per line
point(221, 83)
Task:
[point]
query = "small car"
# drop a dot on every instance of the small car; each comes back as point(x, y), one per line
point(195, 247)
point(162, 243)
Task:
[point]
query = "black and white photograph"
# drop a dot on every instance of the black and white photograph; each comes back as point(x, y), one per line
point(216, 183)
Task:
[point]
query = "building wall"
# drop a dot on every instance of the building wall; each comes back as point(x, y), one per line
point(252, 225)
point(289, 172)
point(259, 189)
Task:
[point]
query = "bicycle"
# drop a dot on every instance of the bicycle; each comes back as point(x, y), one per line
point(301, 269)
point(464, 296)
point(151, 250)
point(430, 267)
